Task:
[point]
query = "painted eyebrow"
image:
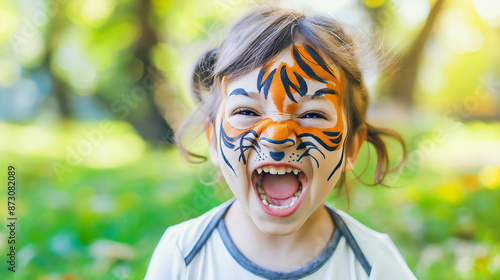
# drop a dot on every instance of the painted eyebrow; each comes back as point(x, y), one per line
point(324, 91)
point(241, 91)
point(238, 91)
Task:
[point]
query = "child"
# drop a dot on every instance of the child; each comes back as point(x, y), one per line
point(284, 106)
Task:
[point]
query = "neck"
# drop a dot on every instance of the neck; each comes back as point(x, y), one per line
point(279, 252)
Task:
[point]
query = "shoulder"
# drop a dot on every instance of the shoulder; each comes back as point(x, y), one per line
point(379, 250)
point(187, 233)
point(168, 259)
point(368, 239)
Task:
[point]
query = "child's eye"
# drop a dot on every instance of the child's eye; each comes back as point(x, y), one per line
point(245, 112)
point(313, 115)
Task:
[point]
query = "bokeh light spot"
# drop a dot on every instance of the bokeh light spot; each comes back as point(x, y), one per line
point(8, 19)
point(412, 12)
point(487, 9)
point(450, 192)
point(13, 73)
point(374, 3)
point(431, 79)
point(472, 39)
point(490, 177)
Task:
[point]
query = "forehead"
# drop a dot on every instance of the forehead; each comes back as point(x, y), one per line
point(289, 71)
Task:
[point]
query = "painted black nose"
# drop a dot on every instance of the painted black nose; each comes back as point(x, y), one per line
point(277, 156)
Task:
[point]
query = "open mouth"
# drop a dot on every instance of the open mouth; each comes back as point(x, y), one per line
point(279, 188)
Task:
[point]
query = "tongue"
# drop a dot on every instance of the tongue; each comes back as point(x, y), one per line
point(280, 186)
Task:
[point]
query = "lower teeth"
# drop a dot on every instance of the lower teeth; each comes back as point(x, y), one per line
point(262, 195)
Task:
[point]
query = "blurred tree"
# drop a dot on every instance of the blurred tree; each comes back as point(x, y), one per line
point(149, 122)
point(403, 81)
point(144, 116)
point(128, 99)
point(152, 126)
point(401, 84)
point(60, 88)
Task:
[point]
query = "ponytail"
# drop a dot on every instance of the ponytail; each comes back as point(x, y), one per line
point(203, 75)
point(206, 99)
point(374, 136)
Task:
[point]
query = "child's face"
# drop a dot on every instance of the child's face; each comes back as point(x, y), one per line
point(279, 138)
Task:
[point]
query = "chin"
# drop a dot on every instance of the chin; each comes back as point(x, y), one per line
point(276, 228)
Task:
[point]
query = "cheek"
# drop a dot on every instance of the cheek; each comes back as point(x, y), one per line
point(234, 146)
point(231, 128)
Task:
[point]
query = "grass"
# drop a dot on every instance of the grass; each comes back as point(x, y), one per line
point(100, 217)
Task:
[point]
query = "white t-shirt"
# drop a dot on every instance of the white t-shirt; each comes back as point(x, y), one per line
point(201, 248)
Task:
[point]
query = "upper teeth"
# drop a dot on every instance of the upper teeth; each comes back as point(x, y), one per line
point(278, 170)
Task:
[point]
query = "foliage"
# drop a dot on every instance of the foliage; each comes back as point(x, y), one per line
point(104, 222)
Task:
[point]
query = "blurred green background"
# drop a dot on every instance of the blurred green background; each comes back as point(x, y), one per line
point(92, 90)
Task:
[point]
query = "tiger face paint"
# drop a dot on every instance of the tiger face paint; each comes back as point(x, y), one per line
point(280, 138)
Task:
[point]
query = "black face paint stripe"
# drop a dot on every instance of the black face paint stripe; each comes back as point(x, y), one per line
point(332, 134)
point(306, 153)
point(324, 91)
point(315, 55)
point(277, 142)
point(223, 137)
point(252, 141)
point(226, 139)
point(336, 140)
point(323, 144)
point(310, 146)
point(286, 83)
point(338, 165)
point(266, 84)
point(303, 65)
point(243, 148)
point(302, 84)
point(238, 91)
point(301, 88)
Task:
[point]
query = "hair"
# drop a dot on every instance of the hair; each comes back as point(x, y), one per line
point(260, 36)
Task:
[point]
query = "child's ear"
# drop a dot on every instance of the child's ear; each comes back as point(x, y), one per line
point(354, 147)
point(212, 142)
